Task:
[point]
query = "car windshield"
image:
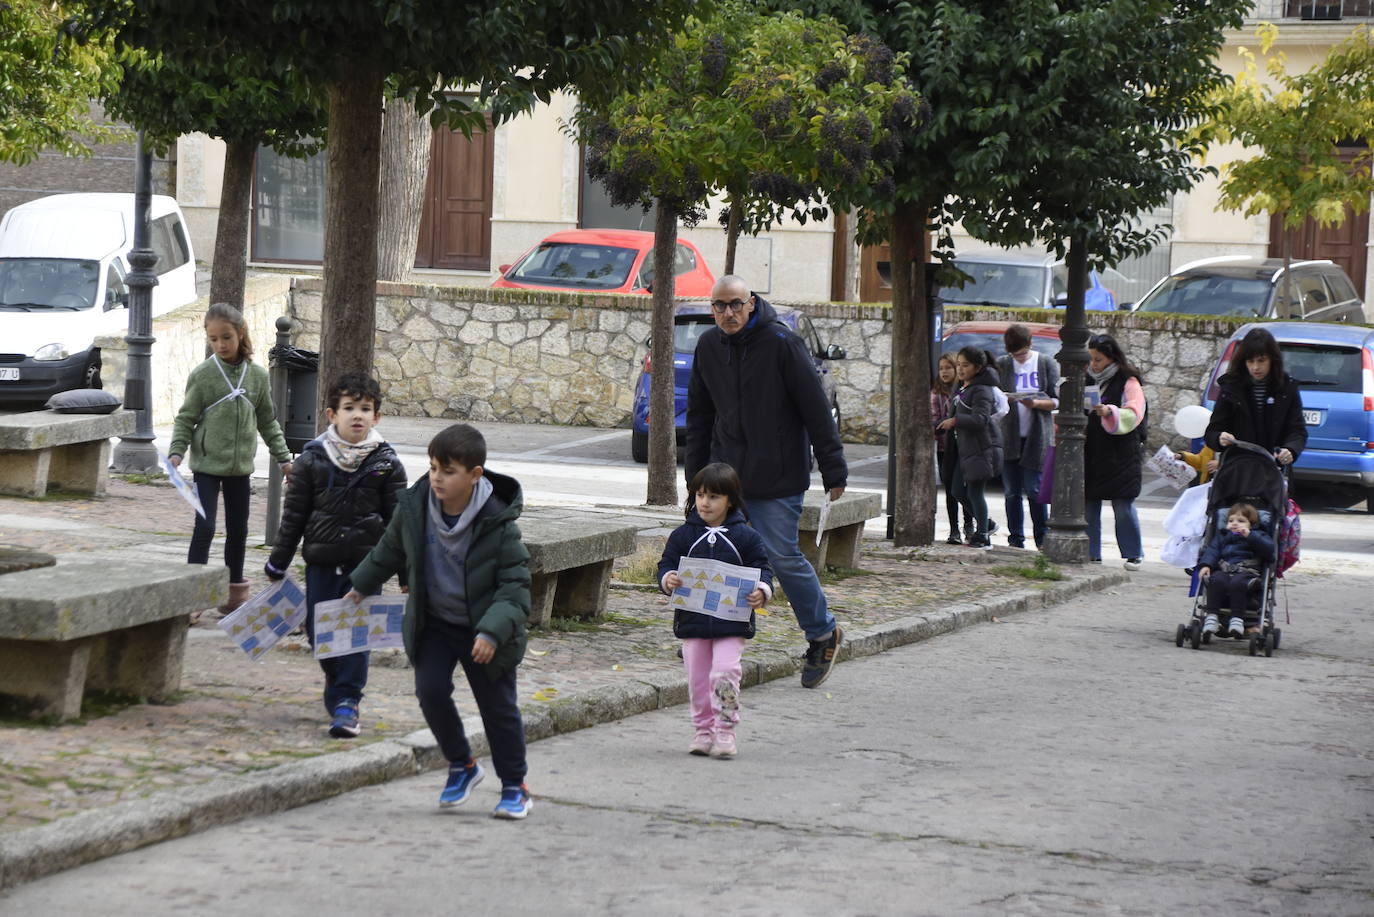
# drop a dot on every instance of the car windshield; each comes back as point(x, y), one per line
point(989, 340)
point(1325, 366)
point(688, 330)
point(575, 265)
point(48, 283)
point(1009, 284)
point(1210, 294)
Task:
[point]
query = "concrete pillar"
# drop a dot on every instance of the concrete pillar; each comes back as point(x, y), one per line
point(582, 591)
point(543, 586)
point(25, 474)
point(47, 677)
point(143, 661)
point(81, 467)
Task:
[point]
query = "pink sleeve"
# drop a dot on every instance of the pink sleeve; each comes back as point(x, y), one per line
point(1126, 418)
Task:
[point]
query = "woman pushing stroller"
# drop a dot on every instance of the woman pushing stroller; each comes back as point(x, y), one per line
point(1259, 403)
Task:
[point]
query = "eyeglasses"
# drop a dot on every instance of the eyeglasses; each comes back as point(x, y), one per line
point(734, 305)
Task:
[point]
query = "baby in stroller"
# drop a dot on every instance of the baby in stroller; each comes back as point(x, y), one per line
point(1231, 564)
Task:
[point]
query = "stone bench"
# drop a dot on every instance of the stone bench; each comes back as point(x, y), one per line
point(844, 528)
point(42, 449)
point(113, 622)
point(571, 552)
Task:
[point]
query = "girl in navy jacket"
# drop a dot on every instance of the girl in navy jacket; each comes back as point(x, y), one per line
point(713, 643)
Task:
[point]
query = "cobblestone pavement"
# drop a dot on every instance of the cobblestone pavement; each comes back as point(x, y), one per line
point(234, 716)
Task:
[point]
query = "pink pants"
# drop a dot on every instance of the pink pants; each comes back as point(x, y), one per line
point(713, 673)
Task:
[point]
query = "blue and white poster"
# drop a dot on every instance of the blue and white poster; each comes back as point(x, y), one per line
point(715, 588)
point(183, 486)
point(343, 627)
point(260, 622)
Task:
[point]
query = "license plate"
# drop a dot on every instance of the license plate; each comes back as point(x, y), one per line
point(9, 374)
point(1313, 418)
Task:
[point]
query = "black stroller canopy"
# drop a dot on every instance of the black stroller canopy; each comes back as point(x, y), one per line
point(1249, 475)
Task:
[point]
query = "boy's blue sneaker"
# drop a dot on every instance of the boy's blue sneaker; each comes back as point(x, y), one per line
point(345, 724)
point(515, 802)
point(461, 780)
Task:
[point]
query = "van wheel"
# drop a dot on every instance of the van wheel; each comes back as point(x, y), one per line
point(639, 446)
point(92, 377)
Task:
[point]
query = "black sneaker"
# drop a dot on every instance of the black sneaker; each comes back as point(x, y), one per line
point(820, 659)
point(954, 539)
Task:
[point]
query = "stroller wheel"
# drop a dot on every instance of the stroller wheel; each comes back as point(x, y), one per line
point(1195, 634)
point(1269, 644)
point(1180, 634)
point(1278, 634)
point(1254, 644)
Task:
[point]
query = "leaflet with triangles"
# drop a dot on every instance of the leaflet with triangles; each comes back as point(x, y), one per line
point(260, 622)
point(714, 588)
point(343, 627)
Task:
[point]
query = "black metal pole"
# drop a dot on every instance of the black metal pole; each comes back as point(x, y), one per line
point(280, 384)
point(136, 452)
point(1067, 540)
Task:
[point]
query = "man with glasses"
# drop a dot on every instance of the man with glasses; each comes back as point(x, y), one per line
point(755, 401)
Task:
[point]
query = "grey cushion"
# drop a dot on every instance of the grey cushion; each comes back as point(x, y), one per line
point(83, 401)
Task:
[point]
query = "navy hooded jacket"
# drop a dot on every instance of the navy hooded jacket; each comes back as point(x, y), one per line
point(732, 542)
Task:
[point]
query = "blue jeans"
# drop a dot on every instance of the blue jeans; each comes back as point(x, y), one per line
point(345, 677)
point(1127, 529)
point(776, 522)
point(1019, 481)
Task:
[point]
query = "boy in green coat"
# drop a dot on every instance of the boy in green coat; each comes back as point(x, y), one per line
point(454, 534)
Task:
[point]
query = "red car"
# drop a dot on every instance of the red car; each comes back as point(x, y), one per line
point(988, 336)
point(604, 261)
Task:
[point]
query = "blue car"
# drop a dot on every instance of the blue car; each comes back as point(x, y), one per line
point(689, 322)
point(1334, 368)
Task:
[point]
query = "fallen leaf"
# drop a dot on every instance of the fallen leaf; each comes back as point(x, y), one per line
point(538, 652)
point(996, 620)
point(828, 695)
point(617, 667)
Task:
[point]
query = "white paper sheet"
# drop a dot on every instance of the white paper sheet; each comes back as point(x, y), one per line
point(825, 514)
point(342, 627)
point(183, 486)
point(714, 588)
point(1177, 473)
point(1092, 397)
point(260, 622)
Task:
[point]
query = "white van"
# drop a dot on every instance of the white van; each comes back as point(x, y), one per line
point(63, 268)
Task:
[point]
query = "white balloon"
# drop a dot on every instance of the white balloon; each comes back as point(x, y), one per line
point(1192, 421)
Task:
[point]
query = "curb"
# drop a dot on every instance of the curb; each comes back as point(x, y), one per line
point(88, 836)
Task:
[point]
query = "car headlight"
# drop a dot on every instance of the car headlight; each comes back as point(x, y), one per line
point(50, 352)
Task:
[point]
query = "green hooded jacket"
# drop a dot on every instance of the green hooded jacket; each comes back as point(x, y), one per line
point(497, 569)
point(222, 433)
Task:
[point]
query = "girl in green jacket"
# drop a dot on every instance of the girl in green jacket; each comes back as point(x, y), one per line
point(228, 403)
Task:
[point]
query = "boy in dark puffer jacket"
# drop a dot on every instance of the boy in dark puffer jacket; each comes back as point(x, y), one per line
point(342, 494)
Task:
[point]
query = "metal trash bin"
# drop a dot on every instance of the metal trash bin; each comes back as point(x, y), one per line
point(302, 373)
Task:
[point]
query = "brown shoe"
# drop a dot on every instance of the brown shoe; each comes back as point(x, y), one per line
point(238, 594)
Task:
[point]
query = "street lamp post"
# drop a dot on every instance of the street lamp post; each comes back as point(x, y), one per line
point(1067, 540)
point(135, 452)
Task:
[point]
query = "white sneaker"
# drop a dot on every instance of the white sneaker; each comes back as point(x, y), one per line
point(1132, 564)
point(1235, 627)
point(724, 745)
point(1211, 624)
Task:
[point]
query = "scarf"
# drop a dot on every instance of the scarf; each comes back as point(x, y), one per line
point(1105, 376)
point(346, 456)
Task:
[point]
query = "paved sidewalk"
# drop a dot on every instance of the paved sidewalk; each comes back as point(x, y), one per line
point(247, 737)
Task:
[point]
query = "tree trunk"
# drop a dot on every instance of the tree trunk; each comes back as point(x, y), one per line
point(662, 428)
point(406, 139)
point(349, 313)
point(231, 230)
point(1067, 539)
point(732, 226)
point(913, 442)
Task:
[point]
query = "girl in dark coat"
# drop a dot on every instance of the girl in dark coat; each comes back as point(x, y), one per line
point(1112, 453)
point(976, 436)
point(1259, 403)
point(713, 641)
point(941, 409)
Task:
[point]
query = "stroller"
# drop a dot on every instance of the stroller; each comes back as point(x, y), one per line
point(1246, 473)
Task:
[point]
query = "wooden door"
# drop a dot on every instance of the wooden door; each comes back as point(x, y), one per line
point(1344, 244)
point(455, 229)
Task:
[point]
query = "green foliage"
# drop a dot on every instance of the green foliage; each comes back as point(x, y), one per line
point(1049, 118)
point(1039, 569)
point(47, 82)
point(1295, 123)
point(512, 54)
point(777, 110)
point(230, 100)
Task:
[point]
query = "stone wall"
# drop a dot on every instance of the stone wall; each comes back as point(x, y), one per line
point(180, 342)
point(542, 357)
